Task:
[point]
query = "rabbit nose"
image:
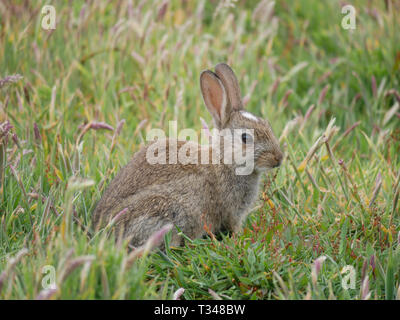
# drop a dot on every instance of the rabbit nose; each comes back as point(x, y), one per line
point(278, 158)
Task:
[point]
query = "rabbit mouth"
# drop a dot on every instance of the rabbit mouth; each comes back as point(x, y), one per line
point(268, 161)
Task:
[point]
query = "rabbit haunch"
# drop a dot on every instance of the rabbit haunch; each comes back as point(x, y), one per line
point(192, 195)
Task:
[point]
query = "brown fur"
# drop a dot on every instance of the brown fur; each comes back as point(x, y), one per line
point(191, 195)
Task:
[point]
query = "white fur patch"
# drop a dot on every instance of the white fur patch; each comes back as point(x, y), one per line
point(248, 115)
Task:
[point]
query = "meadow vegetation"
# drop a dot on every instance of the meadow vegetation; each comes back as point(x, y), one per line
point(76, 103)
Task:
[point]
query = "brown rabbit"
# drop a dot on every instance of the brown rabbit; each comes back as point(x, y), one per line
point(191, 195)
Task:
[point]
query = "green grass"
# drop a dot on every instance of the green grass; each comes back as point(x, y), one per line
point(335, 196)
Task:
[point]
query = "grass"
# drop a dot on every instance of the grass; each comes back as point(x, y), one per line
point(110, 72)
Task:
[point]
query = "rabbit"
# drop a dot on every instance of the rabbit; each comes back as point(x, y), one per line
point(192, 196)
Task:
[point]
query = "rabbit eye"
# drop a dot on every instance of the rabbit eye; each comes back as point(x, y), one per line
point(246, 138)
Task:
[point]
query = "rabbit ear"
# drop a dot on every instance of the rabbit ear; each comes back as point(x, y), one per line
point(214, 96)
point(231, 84)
